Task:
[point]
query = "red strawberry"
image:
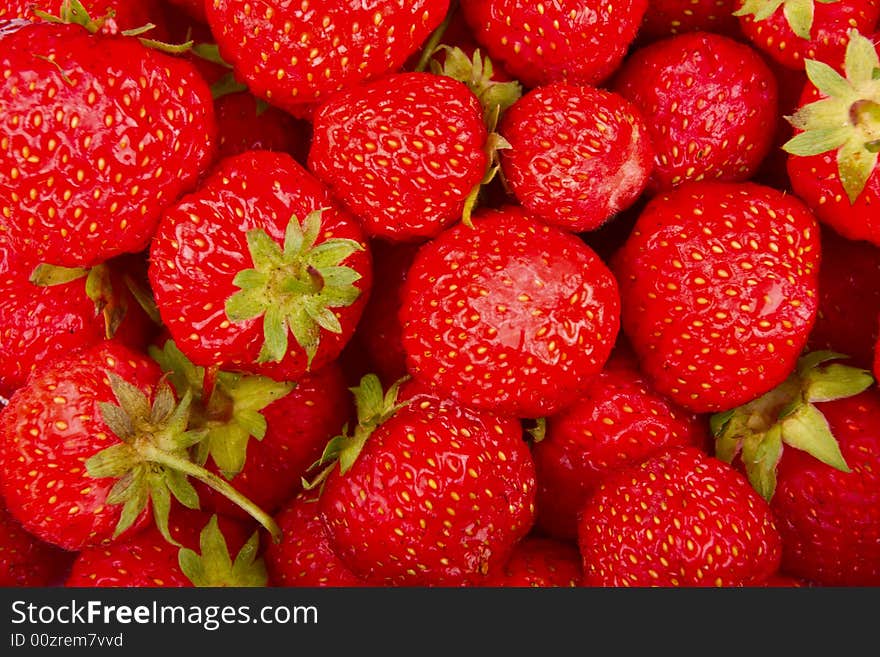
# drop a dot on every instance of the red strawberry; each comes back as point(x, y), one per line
point(294, 55)
point(100, 135)
point(25, 560)
point(125, 14)
point(577, 155)
point(618, 421)
point(304, 557)
point(719, 290)
point(540, 562)
point(258, 253)
point(512, 315)
point(403, 152)
point(812, 448)
point(426, 492)
point(793, 31)
point(581, 42)
point(707, 100)
point(245, 124)
point(679, 518)
point(93, 442)
point(849, 299)
point(666, 18)
point(148, 560)
point(833, 155)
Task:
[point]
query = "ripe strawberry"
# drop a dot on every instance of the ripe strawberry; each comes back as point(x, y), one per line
point(707, 100)
point(719, 290)
point(25, 560)
point(125, 14)
point(148, 560)
point(304, 557)
point(100, 135)
point(618, 421)
point(577, 155)
point(849, 299)
point(260, 251)
point(540, 562)
point(403, 152)
point(247, 124)
point(833, 155)
point(426, 492)
point(578, 41)
point(679, 518)
point(295, 55)
point(91, 443)
point(262, 436)
point(666, 18)
point(792, 31)
point(812, 448)
point(511, 316)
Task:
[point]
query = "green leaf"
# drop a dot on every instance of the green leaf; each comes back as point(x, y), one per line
point(293, 238)
point(324, 317)
point(214, 567)
point(227, 85)
point(861, 59)
point(760, 10)
point(246, 304)
point(330, 253)
point(250, 279)
point(814, 142)
point(836, 382)
point(808, 430)
point(161, 499)
point(210, 52)
point(855, 165)
point(117, 420)
point(305, 332)
point(718, 421)
point(264, 251)
point(131, 399)
point(815, 358)
point(136, 498)
point(163, 404)
point(45, 275)
point(828, 81)
point(228, 448)
point(182, 490)
point(253, 423)
point(274, 335)
point(113, 461)
point(311, 228)
point(760, 456)
point(799, 15)
point(255, 392)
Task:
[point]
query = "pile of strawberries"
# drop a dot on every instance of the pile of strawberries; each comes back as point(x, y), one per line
point(432, 293)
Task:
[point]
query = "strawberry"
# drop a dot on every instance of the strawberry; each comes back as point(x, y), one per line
point(618, 421)
point(679, 518)
point(877, 356)
point(304, 557)
point(578, 41)
point(245, 124)
point(665, 18)
point(812, 448)
point(511, 316)
point(25, 560)
point(295, 55)
point(148, 560)
point(849, 299)
point(832, 160)
point(195, 9)
point(260, 251)
point(126, 15)
point(92, 443)
point(540, 563)
point(100, 135)
point(719, 291)
point(577, 155)
point(425, 492)
point(707, 100)
point(262, 436)
point(792, 31)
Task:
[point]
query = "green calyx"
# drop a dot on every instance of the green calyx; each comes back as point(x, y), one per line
point(847, 118)
point(294, 287)
point(788, 415)
point(798, 13)
point(374, 408)
point(152, 462)
point(214, 567)
point(229, 412)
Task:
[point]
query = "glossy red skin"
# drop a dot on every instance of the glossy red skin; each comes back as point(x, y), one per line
point(298, 428)
point(304, 557)
point(45, 441)
point(539, 43)
point(830, 520)
point(707, 100)
point(578, 155)
point(25, 560)
point(540, 563)
point(194, 261)
point(665, 18)
point(719, 299)
point(379, 334)
point(331, 53)
point(679, 518)
point(241, 126)
point(102, 217)
point(618, 421)
point(512, 316)
point(829, 34)
point(439, 496)
point(147, 559)
point(849, 299)
point(816, 180)
point(402, 152)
